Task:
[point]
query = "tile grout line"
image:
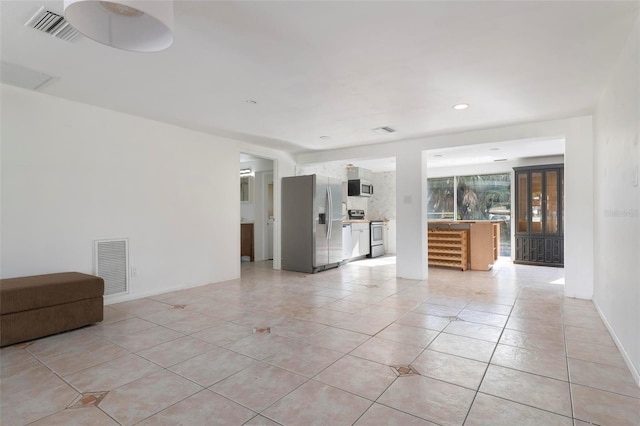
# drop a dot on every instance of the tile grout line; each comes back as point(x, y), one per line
point(475, 395)
point(566, 351)
point(493, 354)
point(242, 293)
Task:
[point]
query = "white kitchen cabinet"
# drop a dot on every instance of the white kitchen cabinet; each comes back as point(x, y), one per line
point(360, 244)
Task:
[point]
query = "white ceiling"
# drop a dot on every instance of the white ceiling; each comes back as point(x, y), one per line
point(488, 153)
point(340, 69)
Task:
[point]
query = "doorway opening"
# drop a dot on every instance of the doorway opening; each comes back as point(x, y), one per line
point(257, 216)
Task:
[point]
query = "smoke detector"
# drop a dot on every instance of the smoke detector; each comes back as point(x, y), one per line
point(52, 24)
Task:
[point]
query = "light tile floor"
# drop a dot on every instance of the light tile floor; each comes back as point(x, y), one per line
point(354, 345)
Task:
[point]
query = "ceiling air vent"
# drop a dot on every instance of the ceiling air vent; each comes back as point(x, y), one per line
point(383, 130)
point(52, 24)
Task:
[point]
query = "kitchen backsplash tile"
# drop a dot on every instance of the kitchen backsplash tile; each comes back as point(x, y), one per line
point(383, 203)
point(359, 203)
point(333, 170)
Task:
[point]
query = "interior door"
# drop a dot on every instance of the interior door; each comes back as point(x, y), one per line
point(270, 220)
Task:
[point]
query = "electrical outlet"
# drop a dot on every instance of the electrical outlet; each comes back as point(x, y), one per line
point(133, 271)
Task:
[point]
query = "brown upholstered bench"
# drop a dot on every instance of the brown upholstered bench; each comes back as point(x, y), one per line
point(40, 305)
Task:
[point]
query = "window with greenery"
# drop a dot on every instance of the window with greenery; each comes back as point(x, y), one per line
point(484, 197)
point(476, 197)
point(440, 198)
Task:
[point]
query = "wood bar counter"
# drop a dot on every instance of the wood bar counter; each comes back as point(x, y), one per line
point(483, 242)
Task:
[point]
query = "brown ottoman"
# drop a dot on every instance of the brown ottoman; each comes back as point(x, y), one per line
point(40, 305)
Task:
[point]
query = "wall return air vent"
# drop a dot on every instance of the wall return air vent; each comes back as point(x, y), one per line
point(112, 265)
point(52, 24)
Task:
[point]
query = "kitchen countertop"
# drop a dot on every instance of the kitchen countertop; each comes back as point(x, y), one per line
point(356, 221)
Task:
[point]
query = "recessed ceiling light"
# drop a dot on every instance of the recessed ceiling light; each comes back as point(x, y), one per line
point(461, 106)
point(501, 159)
point(251, 101)
point(325, 137)
point(494, 149)
point(437, 155)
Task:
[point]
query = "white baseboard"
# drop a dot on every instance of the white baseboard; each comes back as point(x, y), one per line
point(623, 352)
point(126, 297)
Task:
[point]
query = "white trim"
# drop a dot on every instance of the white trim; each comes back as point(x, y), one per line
point(122, 297)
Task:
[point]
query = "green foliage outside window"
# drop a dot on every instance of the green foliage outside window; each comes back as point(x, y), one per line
point(484, 197)
point(475, 197)
point(440, 199)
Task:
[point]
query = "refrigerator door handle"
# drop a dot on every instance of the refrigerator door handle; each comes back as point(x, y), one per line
point(330, 218)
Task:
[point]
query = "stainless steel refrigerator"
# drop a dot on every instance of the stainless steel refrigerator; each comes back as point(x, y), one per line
point(311, 223)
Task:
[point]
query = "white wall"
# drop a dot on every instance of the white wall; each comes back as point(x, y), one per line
point(617, 203)
point(73, 173)
point(411, 212)
point(579, 209)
